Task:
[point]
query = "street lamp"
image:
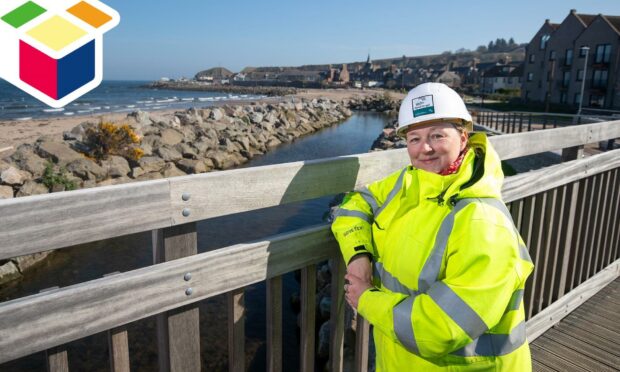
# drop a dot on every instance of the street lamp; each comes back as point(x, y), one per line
point(583, 79)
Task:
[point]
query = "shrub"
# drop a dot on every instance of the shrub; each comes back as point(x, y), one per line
point(109, 139)
point(52, 178)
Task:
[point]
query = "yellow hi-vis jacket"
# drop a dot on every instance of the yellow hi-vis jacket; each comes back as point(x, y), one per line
point(449, 267)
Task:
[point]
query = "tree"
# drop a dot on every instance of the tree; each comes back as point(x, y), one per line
point(491, 46)
point(481, 49)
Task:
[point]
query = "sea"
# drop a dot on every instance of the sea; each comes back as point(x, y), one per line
point(110, 97)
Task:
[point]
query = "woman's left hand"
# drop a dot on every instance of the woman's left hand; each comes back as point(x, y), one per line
point(354, 288)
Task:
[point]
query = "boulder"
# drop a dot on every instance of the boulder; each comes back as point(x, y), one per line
point(27, 160)
point(60, 153)
point(256, 117)
point(151, 164)
point(139, 119)
point(150, 176)
point(87, 169)
point(171, 137)
point(169, 153)
point(14, 177)
point(170, 170)
point(32, 188)
point(227, 145)
point(273, 142)
point(192, 166)
point(6, 192)
point(29, 261)
point(221, 160)
point(136, 172)
point(216, 114)
point(8, 272)
point(114, 181)
point(116, 166)
point(186, 150)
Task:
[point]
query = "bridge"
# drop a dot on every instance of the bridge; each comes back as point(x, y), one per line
point(567, 214)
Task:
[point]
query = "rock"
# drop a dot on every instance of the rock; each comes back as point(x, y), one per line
point(273, 143)
point(244, 141)
point(14, 177)
point(150, 176)
point(136, 172)
point(216, 114)
point(170, 170)
point(140, 118)
point(169, 153)
point(151, 164)
point(6, 192)
point(192, 166)
point(78, 133)
point(151, 140)
point(228, 146)
point(32, 188)
point(256, 117)
point(27, 160)
point(60, 153)
point(187, 151)
point(87, 169)
point(8, 272)
point(221, 160)
point(114, 181)
point(29, 261)
point(116, 166)
point(171, 137)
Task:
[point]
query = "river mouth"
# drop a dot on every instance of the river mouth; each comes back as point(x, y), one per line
point(93, 260)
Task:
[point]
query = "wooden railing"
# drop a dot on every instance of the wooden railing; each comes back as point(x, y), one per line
point(517, 122)
point(567, 214)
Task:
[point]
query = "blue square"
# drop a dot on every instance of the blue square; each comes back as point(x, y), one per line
point(76, 69)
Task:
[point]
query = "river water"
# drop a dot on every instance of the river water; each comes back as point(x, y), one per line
point(93, 260)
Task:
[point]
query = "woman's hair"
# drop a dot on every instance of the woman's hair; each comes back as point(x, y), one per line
point(460, 127)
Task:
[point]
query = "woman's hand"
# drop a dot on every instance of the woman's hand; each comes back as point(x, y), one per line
point(360, 267)
point(354, 287)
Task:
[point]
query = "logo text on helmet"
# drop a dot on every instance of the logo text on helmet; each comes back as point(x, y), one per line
point(423, 105)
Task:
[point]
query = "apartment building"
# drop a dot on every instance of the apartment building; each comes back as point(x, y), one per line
point(561, 56)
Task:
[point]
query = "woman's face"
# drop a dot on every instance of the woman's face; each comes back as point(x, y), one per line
point(434, 147)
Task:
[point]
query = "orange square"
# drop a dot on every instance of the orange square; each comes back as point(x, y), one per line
point(89, 14)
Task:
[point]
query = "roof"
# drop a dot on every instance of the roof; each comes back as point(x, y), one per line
point(586, 19)
point(614, 21)
point(499, 71)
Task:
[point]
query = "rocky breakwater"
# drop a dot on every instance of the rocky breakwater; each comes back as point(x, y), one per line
point(186, 142)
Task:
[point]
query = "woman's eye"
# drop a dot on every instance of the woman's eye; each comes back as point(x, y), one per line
point(414, 140)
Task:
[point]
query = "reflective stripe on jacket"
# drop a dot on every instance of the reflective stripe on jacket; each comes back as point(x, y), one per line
point(450, 267)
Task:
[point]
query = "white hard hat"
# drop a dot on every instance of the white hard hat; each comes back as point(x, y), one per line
point(430, 102)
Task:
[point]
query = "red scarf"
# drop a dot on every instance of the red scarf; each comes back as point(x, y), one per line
point(454, 167)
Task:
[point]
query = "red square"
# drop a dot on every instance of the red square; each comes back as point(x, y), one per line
point(38, 69)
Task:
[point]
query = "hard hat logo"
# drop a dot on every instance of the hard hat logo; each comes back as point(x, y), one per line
point(423, 106)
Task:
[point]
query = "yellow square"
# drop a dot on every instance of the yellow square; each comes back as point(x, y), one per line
point(56, 33)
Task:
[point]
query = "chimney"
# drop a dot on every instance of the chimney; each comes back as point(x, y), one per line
point(573, 11)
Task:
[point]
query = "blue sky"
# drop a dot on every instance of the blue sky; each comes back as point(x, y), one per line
point(179, 38)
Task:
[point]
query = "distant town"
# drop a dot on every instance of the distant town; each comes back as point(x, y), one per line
point(567, 65)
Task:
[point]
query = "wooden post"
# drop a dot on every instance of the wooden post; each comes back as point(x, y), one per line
point(118, 345)
point(178, 330)
point(57, 360)
point(521, 123)
point(236, 330)
point(337, 314)
point(308, 315)
point(362, 334)
point(529, 123)
point(274, 324)
point(572, 153)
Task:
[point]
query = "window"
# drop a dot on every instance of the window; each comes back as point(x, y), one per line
point(603, 52)
point(597, 100)
point(566, 79)
point(543, 41)
point(580, 74)
point(552, 55)
point(532, 58)
point(599, 78)
point(563, 97)
point(568, 61)
point(530, 76)
point(577, 98)
point(582, 52)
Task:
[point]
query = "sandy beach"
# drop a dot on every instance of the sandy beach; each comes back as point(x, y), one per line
point(14, 133)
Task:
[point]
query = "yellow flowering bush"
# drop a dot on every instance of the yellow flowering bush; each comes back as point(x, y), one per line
point(110, 139)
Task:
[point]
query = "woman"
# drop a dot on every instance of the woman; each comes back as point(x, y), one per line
point(449, 265)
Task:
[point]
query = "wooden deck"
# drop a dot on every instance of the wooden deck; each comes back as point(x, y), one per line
point(586, 340)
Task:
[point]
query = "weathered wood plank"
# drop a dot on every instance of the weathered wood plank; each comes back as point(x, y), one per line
point(118, 345)
point(575, 356)
point(544, 320)
point(567, 245)
point(109, 302)
point(43, 222)
point(534, 182)
point(362, 336)
point(308, 314)
point(588, 348)
point(536, 245)
point(336, 319)
point(236, 330)
point(548, 358)
point(57, 359)
point(605, 346)
point(274, 324)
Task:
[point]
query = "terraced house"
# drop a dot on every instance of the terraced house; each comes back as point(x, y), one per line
point(561, 56)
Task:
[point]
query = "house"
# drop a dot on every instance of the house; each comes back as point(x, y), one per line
point(580, 51)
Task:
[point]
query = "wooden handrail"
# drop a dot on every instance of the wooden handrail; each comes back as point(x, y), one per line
point(44, 222)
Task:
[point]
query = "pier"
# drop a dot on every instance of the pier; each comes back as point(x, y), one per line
point(568, 215)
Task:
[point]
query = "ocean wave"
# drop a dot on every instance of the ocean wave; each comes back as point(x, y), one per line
point(69, 113)
point(54, 110)
point(191, 99)
point(24, 119)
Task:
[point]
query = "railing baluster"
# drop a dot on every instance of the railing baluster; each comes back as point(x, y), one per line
point(537, 235)
point(557, 244)
point(178, 330)
point(337, 315)
point(529, 123)
point(584, 217)
point(526, 233)
point(547, 237)
point(568, 244)
point(614, 244)
point(57, 360)
point(362, 333)
point(118, 345)
point(236, 330)
point(308, 313)
point(521, 123)
point(594, 205)
point(274, 324)
point(603, 223)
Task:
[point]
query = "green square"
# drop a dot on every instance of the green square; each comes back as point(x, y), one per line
point(23, 14)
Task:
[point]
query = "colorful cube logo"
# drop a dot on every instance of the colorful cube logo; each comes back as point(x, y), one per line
point(53, 49)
